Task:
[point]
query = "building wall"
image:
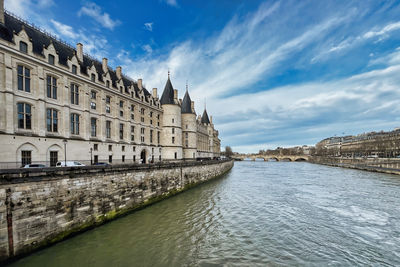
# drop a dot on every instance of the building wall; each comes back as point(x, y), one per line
point(189, 135)
point(84, 197)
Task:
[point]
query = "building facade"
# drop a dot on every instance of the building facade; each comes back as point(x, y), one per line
point(57, 103)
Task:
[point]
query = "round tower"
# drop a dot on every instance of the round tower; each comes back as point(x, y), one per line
point(189, 128)
point(171, 133)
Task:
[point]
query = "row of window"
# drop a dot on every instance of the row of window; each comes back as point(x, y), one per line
point(25, 122)
point(25, 84)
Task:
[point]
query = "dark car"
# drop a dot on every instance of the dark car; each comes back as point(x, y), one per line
point(101, 164)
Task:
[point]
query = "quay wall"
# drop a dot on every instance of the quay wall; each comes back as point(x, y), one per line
point(43, 206)
point(384, 165)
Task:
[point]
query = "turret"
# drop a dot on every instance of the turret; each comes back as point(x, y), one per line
point(171, 134)
point(189, 128)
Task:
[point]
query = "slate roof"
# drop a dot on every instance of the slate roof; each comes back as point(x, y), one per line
point(186, 104)
point(168, 94)
point(204, 118)
point(41, 39)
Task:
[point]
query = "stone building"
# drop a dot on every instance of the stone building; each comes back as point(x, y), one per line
point(58, 103)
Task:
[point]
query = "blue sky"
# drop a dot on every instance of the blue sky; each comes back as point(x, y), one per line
point(273, 73)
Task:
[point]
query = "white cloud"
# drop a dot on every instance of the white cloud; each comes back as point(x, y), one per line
point(149, 26)
point(147, 48)
point(94, 11)
point(64, 30)
point(171, 2)
point(383, 31)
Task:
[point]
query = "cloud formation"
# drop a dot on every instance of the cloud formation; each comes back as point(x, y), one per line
point(94, 11)
point(149, 26)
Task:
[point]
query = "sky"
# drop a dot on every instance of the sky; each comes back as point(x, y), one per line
point(271, 73)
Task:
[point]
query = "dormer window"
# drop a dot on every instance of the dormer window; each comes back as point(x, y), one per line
point(93, 77)
point(23, 47)
point(74, 69)
point(51, 59)
point(108, 84)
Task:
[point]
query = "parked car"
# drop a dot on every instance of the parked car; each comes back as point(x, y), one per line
point(101, 164)
point(34, 166)
point(69, 164)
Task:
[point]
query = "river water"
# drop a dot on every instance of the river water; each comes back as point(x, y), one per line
point(259, 214)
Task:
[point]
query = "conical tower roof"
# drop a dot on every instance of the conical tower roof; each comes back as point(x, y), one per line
point(204, 118)
point(168, 94)
point(186, 104)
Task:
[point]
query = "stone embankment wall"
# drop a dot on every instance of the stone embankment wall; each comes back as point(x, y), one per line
point(40, 207)
point(384, 165)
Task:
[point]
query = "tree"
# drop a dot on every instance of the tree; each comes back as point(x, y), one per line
point(228, 151)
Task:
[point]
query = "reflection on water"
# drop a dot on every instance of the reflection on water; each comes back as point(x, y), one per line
point(260, 214)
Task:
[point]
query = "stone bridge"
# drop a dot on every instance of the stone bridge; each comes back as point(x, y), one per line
point(254, 157)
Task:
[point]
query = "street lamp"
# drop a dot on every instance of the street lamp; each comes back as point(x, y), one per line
point(65, 152)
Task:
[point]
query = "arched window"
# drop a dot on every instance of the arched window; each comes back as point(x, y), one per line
point(52, 120)
point(24, 116)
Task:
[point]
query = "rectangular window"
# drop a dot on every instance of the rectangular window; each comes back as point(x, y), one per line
point(26, 157)
point(95, 147)
point(132, 137)
point(132, 116)
point(121, 131)
point(108, 109)
point(123, 148)
point(108, 84)
point(23, 47)
point(158, 137)
point(24, 78)
point(52, 120)
point(51, 87)
point(74, 69)
point(121, 104)
point(53, 158)
point(108, 129)
point(173, 140)
point(151, 136)
point(93, 94)
point(142, 119)
point(108, 99)
point(93, 127)
point(74, 124)
point(132, 108)
point(92, 105)
point(24, 116)
point(74, 94)
point(110, 159)
point(121, 113)
point(52, 59)
point(123, 158)
point(93, 77)
point(109, 147)
point(173, 130)
point(176, 155)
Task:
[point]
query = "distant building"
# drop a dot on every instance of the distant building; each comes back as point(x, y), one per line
point(55, 100)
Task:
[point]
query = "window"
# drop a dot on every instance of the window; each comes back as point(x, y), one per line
point(95, 147)
point(96, 159)
point(109, 147)
point(158, 116)
point(132, 129)
point(24, 116)
point(110, 159)
point(23, 47)
point(158, 137)
point(93, 77)
point(151, 114)
point(173, 140)
point(108, 109)
point(26, 157)
point(24, 78)
point(93, 94)
point(132, 116)
point(142, 119)
point(74, 94)
point(51, 59)
point(108, 84)
point(151, 136)
point(142, 130)
point(142, 111)
point(92, 105)
point(121, 104)
point(51, 87)
point(121, 113)
point(186, 143)
point(120, 89)
point(132, 137)
point(186, 126)
point(173, 120)
point(132, 108)
point(186, 135)
point(108, 129)
point(121, 131)
point(123, 158)
point(53, 158)
point(123, 148)
point(134, 149)
point(134, 158)
point(173, 130)
point(74, 123)
point(108, 99)
point(176, 155)
point(52, 120)
point(93, 127)
point(151, 122)
point(74, 69)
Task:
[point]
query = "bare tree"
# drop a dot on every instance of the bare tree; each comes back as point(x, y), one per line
point(228, 151)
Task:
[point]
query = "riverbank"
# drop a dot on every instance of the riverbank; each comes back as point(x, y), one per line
point(41, 207)
point(382, 165)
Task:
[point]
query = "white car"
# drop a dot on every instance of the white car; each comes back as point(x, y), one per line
point(69, 164)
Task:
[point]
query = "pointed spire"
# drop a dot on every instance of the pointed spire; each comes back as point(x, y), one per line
point(168, 93)
point(204, 118)
point(187, 102)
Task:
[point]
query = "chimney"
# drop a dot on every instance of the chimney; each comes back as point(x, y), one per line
point(180, 101)
point(2, 11)
point(192, 106)
point(155, 92)
point(140, 84)
point(176, 95)
point(119, 72)
point(79, 51)
point(210, 119)
point(105, 65)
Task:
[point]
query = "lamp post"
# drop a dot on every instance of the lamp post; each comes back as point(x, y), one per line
point(65, 152)
point(91, 151)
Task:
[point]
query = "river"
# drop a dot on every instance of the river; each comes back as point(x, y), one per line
point(259, 214)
